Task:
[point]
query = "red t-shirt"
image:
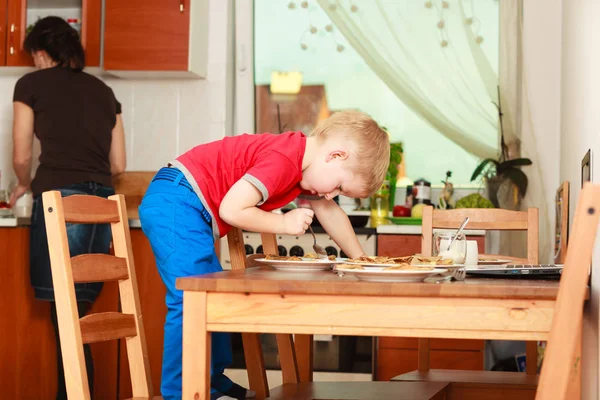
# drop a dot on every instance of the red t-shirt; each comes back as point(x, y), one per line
point(272, 163)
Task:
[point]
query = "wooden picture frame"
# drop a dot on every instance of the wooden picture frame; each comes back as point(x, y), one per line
point(561, 230)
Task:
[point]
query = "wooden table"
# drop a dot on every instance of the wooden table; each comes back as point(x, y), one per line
point(268, 301)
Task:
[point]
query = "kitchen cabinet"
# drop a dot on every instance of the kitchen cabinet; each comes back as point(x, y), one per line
point(28, 347)
point(396, 355)
point(21, 14)
point(156, 38)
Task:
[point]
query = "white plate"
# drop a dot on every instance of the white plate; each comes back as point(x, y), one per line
point(493, 262)
point(6, 212)
point(307, 264)
point(383, 275)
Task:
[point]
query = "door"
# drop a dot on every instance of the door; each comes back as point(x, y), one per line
point(156, 32)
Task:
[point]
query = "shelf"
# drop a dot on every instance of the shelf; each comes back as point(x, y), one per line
point(53, 4)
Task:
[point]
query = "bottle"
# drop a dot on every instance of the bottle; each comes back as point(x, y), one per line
point(380, 205)
point(75, 24)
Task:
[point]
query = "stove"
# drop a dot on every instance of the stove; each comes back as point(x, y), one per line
point(297, 245)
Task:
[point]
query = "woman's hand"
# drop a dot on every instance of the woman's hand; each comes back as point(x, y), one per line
point(17, 192)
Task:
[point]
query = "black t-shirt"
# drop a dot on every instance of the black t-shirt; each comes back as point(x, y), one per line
point(75, 114)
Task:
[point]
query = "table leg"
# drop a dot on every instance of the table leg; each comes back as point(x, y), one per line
point(196, 347)
point(304, 356)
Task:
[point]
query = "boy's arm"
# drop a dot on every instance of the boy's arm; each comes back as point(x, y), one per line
point(337, 224)
point(238, 209)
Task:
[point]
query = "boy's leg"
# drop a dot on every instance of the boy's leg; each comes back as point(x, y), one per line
point(182, 243)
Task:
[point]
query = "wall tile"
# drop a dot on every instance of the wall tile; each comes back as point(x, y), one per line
point(155, 126)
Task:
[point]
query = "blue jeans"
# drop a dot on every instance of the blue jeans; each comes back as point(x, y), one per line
point(83, 239)
point(180, 233)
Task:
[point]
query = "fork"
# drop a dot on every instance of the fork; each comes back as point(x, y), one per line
point(457, 274)
point(318, 249)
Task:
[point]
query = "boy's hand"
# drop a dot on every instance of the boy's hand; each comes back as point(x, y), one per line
point(296, 222)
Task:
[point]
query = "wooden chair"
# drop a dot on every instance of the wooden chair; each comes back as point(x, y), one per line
point(67, 270)
point(296, 356)
point(557, 375)
point(485, 219)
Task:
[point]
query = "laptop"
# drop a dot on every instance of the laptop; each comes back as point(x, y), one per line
point(517, 271)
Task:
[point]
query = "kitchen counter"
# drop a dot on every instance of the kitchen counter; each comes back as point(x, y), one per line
point(393, 229)
point(13, 222)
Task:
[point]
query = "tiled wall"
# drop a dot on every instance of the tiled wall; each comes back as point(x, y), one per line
point(162, 118)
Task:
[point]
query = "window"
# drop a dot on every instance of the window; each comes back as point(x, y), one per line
point(299, 36)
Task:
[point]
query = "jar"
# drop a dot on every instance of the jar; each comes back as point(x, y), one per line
point(380, 205)
point(422, 192)
point(457, 252)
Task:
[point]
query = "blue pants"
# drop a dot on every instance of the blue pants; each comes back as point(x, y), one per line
point(180, 233)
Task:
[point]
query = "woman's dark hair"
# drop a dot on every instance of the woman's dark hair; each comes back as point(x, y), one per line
point(57, 38)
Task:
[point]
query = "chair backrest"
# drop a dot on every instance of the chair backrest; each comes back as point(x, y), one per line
point(67, 270)
point(561, 231)
point(484, 219)
point(568, 312)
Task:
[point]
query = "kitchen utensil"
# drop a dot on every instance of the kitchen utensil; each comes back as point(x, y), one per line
point(458, 249)
point(458, 232)
point(318, 249)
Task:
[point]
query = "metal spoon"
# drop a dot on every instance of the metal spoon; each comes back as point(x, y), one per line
point(318, 249)
point(458, 232)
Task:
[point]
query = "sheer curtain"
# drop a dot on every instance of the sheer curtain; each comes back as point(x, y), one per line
point(428, 56)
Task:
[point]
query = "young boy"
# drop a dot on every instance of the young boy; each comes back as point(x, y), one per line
point(236, 181)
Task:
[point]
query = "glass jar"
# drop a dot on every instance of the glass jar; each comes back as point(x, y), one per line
point(5, 210)
point(457, 253)
point(380, 205)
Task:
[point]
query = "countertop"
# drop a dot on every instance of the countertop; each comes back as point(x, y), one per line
point(381, 229)
point(13, 222)
point(393, 229)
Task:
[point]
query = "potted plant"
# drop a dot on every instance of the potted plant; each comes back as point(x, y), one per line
point(498, 173)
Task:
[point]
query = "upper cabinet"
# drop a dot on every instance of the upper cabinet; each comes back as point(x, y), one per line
point(156, 38)
point(84, 15)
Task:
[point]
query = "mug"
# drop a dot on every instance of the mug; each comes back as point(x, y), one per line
point(472, 253)
point(23, 205)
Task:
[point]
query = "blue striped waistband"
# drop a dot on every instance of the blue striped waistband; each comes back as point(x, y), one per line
point(178, 178)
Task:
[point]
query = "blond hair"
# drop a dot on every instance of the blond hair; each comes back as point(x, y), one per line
point(371, 153)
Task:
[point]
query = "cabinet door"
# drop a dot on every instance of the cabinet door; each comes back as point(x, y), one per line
point(3, 32)
point(146, 35)
point(24, 13)
point(91, 32)
point(17, 28)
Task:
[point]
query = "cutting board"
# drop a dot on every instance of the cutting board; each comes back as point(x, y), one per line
point(133, 185)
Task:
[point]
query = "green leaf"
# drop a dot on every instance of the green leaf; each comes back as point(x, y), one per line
point(518, 177)
point(517, 162)
point(395, 159)
point(481, 167)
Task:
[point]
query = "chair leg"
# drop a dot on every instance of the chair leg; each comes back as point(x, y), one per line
point(304, 356)
point(255, 365)
point(423, 356)
point(574, 388)
point(531, 352)
point(287, 358)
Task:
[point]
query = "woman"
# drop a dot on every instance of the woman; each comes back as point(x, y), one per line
point(77, 120)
